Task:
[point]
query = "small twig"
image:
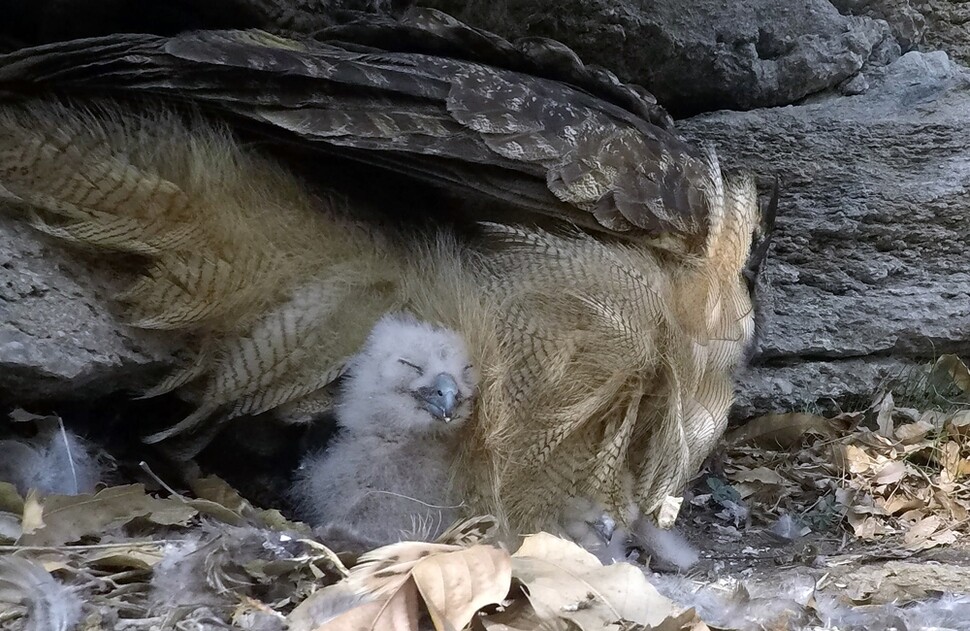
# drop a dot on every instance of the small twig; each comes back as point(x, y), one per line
point(121, 576)
point(130, 588)
point(88, 546)
point(139, 623)
point(144, 467)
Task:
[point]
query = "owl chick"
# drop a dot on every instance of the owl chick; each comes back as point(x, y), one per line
point(385, 477)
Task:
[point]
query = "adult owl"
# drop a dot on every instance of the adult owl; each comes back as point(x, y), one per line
point(283, 192)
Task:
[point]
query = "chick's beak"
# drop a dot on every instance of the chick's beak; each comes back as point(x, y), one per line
point(441, 397)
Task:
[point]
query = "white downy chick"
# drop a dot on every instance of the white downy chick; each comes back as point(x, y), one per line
point(385, 476)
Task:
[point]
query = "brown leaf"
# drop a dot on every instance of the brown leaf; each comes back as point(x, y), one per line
point(866, 528)
point(884, 415)
point(957, 512)
point(859, 461)
point(763, 475)
point(781, 430)
point(275, 520)
point(958, 421)
point(215, 498)
point(899, 504)
point(397, 613)
point(566, 582)
point(383, 571)
point(954, 368)
point(10, 499)
point(928, 533)
point(563, 553)
point(323, 605)
point(59, 519)
point(457, 584)
point(950, 459)
point(216, 511)
point(136, 556)
point(934, 418)
point(912, 433)
point(890, 473)
point(215, 489)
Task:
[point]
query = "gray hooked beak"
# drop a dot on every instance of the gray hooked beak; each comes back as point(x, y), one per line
point(441, 397)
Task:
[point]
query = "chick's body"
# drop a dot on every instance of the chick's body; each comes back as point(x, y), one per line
point(400, 412)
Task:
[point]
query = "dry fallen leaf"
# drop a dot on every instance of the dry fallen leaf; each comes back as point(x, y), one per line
point(397, 613)
point(455, 585)
point(384, 570)
point(60, 519)
point(324, 605)
point(134, 556)
point(763, 475)
point(911, 433)
point(884, 415)
point(950, 459)
point(779, 430)
point(564, 581)
point(215, 489)
point(859, 461)
point(898, 504)
point(890, 473)
point(955, 369)
point(10, 499)
point(928, 533)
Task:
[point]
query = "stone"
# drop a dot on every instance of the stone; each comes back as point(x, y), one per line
point(57, 337)
point(868, 270)
point(906, 22)
point(703, 55)
point(947, 27)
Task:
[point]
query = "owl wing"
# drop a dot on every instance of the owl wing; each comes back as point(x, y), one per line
point(526, 125)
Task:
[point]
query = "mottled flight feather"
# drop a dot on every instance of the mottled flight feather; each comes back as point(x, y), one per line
point(605, 167)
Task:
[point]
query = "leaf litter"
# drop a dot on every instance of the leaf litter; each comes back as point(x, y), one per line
point(803, 521)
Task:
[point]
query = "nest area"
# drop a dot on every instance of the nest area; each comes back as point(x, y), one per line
point(824, 515)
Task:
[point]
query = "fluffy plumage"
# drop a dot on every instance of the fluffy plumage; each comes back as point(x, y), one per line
point(200, 577)
point(49, 605)
point(56, 461)
point(606, 354)
point(386, 476)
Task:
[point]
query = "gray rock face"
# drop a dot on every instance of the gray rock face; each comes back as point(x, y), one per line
point(702, 55)
point(925, 25)
point(907, 24)
point(56, 337)
point(948, 27)
point(869, 268)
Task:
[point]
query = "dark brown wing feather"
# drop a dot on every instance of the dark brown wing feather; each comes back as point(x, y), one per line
point(566, 140)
